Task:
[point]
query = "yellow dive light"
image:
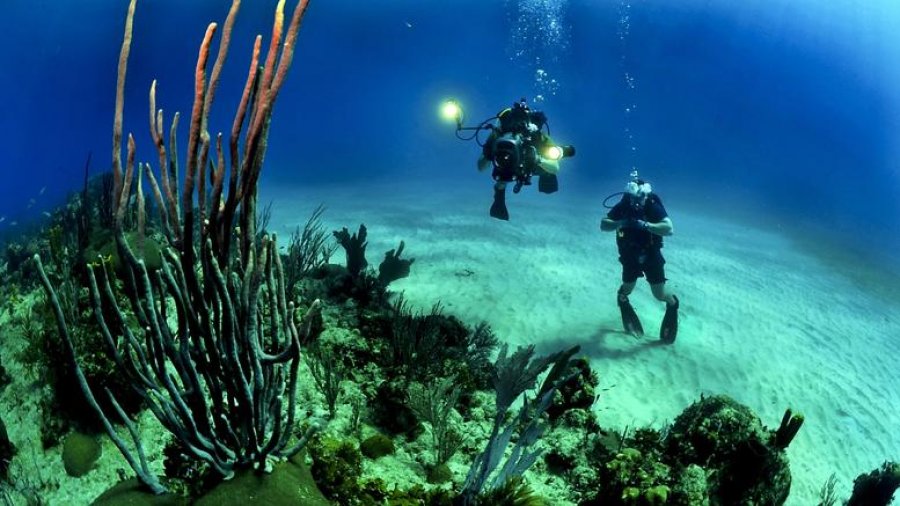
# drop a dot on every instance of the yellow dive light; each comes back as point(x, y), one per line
point(554, 153)
point(559, 152)
point(452, 111)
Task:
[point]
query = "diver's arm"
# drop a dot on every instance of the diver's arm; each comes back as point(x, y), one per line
point(549, 166)
point(610, 225)
point(662, 228)
point(484, 161)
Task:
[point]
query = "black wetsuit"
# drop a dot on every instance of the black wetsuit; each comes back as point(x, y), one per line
point(639, 250)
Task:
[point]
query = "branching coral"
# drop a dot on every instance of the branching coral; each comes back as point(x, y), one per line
point(513, 375)
point(213, 346)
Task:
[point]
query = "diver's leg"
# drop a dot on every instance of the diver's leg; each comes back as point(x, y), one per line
point(630, 320)
point(668, 329)
point(663, 294)
point(656, 275)
point(626, 289)
point(498, 207)
point(655, 270)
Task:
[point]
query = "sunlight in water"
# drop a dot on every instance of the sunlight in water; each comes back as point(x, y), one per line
point(539, 35)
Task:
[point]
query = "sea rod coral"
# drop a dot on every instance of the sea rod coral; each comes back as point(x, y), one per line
point(208, 339)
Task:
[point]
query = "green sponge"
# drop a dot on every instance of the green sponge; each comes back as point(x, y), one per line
point(80, 453)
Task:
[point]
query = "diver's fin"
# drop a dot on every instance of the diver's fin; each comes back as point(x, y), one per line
point(630, 319)
point(498, 208)
point(669, 328)
point(548, 183)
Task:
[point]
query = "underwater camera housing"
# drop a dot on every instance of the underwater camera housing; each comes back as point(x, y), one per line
point(512, 152)
point(518, 153)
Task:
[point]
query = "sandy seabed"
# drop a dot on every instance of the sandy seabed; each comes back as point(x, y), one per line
point(764, 318)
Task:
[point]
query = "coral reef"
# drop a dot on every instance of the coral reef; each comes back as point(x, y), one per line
point(716, 452)
point(354, 249)
point(877, 487)
point(719, 433)
point(393, 267)
point(390, 269)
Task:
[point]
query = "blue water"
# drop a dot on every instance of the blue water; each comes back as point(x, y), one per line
point(783, 111)
point(791, 108)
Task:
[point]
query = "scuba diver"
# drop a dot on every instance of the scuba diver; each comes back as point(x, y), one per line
point(518, 148)
point(640, 222)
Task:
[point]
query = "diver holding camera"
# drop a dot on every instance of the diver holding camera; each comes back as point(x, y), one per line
point(518, 148)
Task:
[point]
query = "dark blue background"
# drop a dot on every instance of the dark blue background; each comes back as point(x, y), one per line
point(785, 108)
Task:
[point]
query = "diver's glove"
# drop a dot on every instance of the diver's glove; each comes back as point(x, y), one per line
point(635, 225)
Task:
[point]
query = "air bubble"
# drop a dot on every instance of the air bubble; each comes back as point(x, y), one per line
point(539, 36)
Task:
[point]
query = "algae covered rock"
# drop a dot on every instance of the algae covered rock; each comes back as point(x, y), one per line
point(657, 496)
point(132, 492)
point(579, 392)
point(632, 477)
point(691, 488)
point(727, 439)
point(717, 451)
point(876, 488)
point(289, 483)
point(440, 473)
point(337, 467)
point(103, 246)
point(377, 446)
point(80, 453)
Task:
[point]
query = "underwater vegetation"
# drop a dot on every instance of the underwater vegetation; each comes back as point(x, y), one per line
point(281, 376)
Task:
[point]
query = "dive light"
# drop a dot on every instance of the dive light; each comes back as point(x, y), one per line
point(451, 110)
point(559, 152)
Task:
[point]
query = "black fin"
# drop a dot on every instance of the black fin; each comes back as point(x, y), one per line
point(669, 328)
point(630, 319)
point(498, 208)
point(548, 183)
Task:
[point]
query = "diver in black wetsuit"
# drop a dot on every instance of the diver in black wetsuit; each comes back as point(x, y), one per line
point(640, 222)
point(516, 150)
